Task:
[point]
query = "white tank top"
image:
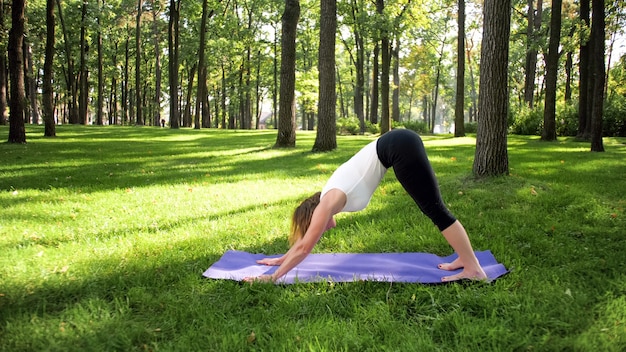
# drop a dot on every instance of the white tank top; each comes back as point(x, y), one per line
point(358, 178)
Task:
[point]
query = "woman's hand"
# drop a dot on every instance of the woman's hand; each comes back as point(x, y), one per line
point(270, 261)
point(262, 278)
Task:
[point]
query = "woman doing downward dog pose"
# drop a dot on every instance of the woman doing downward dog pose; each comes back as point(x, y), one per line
point(350, 189)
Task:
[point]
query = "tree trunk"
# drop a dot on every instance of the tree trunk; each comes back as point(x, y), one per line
point(173, 47)
point(287, 101)
point(83, 97)
point(359, 65)
point(342, 104)
point(125, 83)
point(47, 98)
point(459, 107)
point(70, 78)
point(275, 76)
point(375, 84)
point(583, 71)
point(157, 64)
point(258, 93)
point(552, 70)
point(200, 96)
point(100, 102)
point(223, 96)
point(433, 117)
point(17, 131)
point(385, 122)
point(395, 95)
point(474, 96)
point(325, 139)
point(187, 112)
point(569, 62)
point(534, 27)
point(491, 158)
point(3, 72)
point(32, 110)
point(139, 107)
point(597, 56)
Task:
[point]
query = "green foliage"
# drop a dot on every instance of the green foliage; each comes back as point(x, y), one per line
point(614, 118)
point(371, 128)
point(526, 121)
point(351, 126)
point(471, 127)
point(348, 126)
point(415, 125)
point(566, 120)
point(105, 233)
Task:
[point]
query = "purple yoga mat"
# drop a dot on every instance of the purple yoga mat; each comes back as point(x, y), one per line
point(345, 267)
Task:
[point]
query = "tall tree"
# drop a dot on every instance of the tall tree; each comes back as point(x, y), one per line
point(138, 105)
point(156, 4)
point(3, 70)
point(491, 157)
point(374, 92)
point(359, 64)
point(100, 68)
point(385, 122)
point(287, 101)
point(172, 41)
point(597, 57)
point(31, 108)
point(47, 96)
point(395, 76)
point(325, 139)
point(552, 70)
point(201, 103)
point(70, 75)
point(534, 28)
point(17, 131)
point(83, 97)
point(584, 125)
point(459, 107)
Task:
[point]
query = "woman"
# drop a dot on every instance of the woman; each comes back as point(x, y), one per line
point(350, 189)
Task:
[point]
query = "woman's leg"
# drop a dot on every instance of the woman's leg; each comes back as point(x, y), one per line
point(457, 238)
point(404, 151)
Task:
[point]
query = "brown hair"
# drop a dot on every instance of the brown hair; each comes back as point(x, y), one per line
point(301, 218)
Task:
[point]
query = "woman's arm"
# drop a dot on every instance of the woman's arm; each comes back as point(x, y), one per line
point(331, 204)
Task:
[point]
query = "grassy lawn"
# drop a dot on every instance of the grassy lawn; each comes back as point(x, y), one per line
point(105, 232)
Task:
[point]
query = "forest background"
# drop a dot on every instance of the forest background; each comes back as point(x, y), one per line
point(395, 62)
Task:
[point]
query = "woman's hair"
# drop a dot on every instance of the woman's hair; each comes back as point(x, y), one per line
point(301, 218)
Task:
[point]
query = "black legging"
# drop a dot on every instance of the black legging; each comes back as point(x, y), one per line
point(404, 151)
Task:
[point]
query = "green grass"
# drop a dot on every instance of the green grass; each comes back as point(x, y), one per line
point(105, 233)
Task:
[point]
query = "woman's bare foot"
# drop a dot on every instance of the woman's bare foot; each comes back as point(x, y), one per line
point(475, 274)
point(456, 264)
point(468, 273)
